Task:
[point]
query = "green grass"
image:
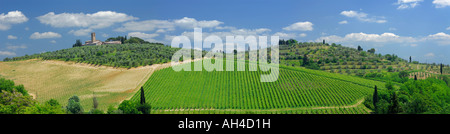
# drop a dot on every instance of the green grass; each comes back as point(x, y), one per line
point(295, 91)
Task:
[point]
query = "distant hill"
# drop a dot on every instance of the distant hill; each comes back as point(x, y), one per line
point(123, 55)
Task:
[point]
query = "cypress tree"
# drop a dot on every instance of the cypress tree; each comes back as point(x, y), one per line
point(393, 109)
point(409, 59)
point(142, 96)
point(305, 60)
point(441, 68)
point(375, 98)
point(415, 77)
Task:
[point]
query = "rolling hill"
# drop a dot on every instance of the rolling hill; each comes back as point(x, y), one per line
point(297, 90)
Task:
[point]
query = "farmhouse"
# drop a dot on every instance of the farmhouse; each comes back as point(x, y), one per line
point(94, 42)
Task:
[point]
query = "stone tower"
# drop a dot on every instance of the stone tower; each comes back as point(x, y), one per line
point(93, 36)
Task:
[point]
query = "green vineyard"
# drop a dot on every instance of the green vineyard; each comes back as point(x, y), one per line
point(297, 91)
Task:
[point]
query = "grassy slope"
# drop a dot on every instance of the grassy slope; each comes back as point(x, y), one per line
point(60, 80)
point(296, 91)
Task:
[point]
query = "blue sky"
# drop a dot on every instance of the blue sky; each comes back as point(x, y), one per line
point(417, 28)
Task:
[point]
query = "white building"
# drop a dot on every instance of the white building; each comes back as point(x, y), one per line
point(94, 42)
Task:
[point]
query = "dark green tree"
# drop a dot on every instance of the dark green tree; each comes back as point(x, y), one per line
point(442, 65)
point(305, 60)
point(410, 59)
point(372, 50)
point(74, 105)
point(129, 107)
point(95, 102)
point(77, 44)
point(360, 48)
point(394, 107)
point(142, 96)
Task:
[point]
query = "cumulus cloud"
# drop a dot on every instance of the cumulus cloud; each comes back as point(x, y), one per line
point(440, 38)
point(81, 32)
point(343, 22)
point(232, 31)
point(14, 47)
point(7, 53)
point(302, 35)
point(167, 25)
point(405, 4)
point(429, 55)
point(46, 35)
point(363, 16)
point(12, 17)
point(300, 26)
point(285, 36)
point(12, 37)
point(101, 19)
point(144, 36)
point(53, 41)
point(441, 3)
point(448, 28)
point(190, 23)
point(364, 37)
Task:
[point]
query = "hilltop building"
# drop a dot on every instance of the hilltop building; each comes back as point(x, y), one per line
point(94, 42)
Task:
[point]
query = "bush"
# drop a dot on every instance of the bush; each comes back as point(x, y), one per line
point(112, 110)
point(74, 105)
point(129, 107)
point(50, 107)
point(96, 111)
point(144, 108)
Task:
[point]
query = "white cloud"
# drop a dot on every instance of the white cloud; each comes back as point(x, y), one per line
point(81, 32)
point(190, 23)
point(429, 55)
point(363, 16)
point(13, 47)
point(448, 28)
point(404, 4)
point(148, 25)
point(300, 26)
point(12, 37)
point(285, 36)
point(222, 34)
point(392, 29)
point(167, 25)
point(379, 39)
point(7, 53)
point(302, 35)
point(99, 19)
point(53, 41)
point(441, 3)
point(12, 17)
point(144, 36)
point(343, 22)
point(45, 35)
point(440, 38)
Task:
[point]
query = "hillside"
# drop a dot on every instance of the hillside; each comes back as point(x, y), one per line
point(60, 80)
point(124, 55)
point(296, 91)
